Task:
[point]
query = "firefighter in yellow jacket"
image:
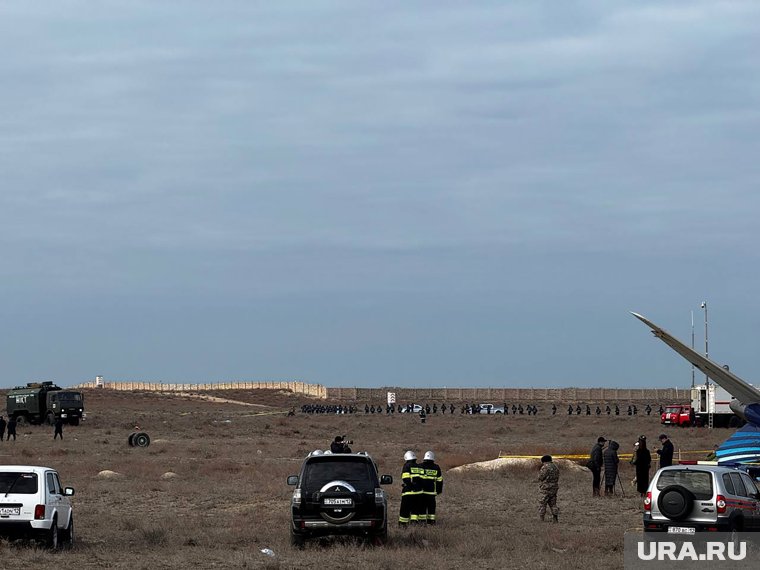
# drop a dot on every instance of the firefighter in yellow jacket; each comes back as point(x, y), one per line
point(411, 489)
point(432, 485)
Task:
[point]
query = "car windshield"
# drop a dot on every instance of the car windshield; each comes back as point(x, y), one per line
point(18, 483)
point(672, 410)
point(69, 397)
point(698, 482)
point(353, 470)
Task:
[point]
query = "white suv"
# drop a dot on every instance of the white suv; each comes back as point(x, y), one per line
point(34, 505)
point(685, 499)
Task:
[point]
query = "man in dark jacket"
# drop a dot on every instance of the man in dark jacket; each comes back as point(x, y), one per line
point(2, 428)
point(666, 453)
point(58, 428)
point(339, 445)
point(596, 462)
point(11, 428)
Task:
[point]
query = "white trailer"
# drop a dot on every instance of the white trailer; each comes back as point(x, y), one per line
point(712, 399)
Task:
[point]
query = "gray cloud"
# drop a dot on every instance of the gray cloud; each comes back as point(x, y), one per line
point(183, 151)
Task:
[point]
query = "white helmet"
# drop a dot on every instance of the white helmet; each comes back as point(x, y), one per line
point(429, 455)
point(410, 455)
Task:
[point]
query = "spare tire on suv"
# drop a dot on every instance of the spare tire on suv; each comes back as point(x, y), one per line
point(675, 502)
point(339, 495)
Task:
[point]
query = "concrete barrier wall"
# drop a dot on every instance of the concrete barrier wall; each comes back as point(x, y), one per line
point(405, 395)
point(313, 390)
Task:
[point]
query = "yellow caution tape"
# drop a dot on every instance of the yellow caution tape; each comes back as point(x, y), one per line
point(585, 456)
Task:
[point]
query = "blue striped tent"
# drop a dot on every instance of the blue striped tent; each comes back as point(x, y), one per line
point(742, 447)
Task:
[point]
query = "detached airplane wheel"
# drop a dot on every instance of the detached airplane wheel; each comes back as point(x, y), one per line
point(141, 439)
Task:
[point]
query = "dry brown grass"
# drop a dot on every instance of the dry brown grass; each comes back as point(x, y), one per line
point(230, 499)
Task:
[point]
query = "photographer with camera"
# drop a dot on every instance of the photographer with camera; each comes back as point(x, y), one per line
point(340, 445)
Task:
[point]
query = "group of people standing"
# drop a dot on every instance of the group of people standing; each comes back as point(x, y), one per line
point(605, 457)
point(420, 484)
point(10, 425)
point(633, 410)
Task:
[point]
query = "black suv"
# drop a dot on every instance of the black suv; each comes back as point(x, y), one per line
point(338, 494)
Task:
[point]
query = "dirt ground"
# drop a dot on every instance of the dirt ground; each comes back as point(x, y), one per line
point(229, 498)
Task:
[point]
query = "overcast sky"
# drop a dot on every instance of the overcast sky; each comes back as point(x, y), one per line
point(377, 193)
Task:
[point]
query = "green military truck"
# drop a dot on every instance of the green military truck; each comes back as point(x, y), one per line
point(39, 402)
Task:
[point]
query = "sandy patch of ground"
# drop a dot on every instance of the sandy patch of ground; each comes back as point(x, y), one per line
point(516, 462)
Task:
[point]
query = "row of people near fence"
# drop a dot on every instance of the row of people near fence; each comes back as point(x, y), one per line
point(465, 409)
point(633, 410)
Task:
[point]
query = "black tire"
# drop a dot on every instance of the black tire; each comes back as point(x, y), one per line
point(675, 502)
point(735, 422)
point(20, 420)
point(52, 537)
point(141, 439)
point(49, 419)
point(74, 421)
point(130, 439)
point(67, 535)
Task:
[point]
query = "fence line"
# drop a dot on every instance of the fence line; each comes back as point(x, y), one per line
point(314, 390)
point(478, 395)
point(378, 395)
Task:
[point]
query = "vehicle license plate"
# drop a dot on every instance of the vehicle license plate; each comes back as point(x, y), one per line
point(5, 511)
point(341, 502)
point(681, 530)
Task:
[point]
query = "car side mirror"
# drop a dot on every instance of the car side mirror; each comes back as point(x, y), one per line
point(386, 480)
point(293, 480)
point(68, 491)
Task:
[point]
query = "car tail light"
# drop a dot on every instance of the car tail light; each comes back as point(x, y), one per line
point(379, 494)
point(297, 497)
point(648, 502)
point(720, 503)
point(39, 512)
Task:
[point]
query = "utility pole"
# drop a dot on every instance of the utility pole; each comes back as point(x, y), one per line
point(692, 347)
point(710, 401)
point(704, 306)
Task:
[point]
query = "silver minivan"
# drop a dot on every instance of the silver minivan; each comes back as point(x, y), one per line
point(684, 499)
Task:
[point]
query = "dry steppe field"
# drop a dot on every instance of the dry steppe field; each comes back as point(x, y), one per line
point(229, 499)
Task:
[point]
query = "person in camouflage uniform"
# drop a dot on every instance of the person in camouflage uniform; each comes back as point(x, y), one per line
point(548, 485)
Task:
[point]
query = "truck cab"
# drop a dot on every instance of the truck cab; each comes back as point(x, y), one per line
point(676, 415)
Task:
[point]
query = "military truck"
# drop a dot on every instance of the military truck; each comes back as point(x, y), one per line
point(39, 402)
